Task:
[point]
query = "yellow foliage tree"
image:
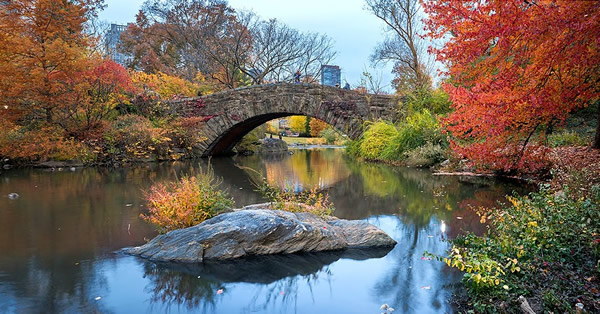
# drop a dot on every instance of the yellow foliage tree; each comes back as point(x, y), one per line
point(298, 124)
point(167, 86)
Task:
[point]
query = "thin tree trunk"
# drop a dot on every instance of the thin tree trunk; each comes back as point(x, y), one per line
point(49, 115)
point(596, 143)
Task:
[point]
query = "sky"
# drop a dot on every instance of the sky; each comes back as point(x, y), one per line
point(354, 30)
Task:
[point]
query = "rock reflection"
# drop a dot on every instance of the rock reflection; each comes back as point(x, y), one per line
point(196, 285)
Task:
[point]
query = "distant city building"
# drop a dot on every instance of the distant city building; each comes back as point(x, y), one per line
point(112, 42)
point(331, 75)
point(283, 124)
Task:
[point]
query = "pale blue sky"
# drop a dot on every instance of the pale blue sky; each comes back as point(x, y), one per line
point(354, 30)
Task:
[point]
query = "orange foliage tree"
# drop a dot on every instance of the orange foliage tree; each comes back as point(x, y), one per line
point(516, 68)
point(42, 47)
point(316, 126)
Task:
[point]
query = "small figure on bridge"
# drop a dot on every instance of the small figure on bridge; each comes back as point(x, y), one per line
point(297, 76)
point(347, 86)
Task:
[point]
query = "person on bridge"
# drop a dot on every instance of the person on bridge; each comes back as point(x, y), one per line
point(297, 76)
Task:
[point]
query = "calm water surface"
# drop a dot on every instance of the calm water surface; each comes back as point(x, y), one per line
point(58, 241)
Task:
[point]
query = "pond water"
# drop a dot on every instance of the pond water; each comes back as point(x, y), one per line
point(59, 240)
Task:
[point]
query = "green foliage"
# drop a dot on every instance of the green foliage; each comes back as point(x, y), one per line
point(419, 129)
point(376, 138)
point(418, 141)
point(567, 138)
point(330, 135)
point(186, 202)
point(436, 101)
point(310, 201)
point(542, 245)
point(249, 143)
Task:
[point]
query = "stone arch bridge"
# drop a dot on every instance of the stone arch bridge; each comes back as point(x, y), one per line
point(231, 114)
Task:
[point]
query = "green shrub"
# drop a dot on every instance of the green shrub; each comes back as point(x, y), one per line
point(543, 245)
point(436, 101)
point(353, 148)
point(417, 130)
point(376, 138)
point(330, 135)
point(186, 202)
point(567, 138)
point(249, 143)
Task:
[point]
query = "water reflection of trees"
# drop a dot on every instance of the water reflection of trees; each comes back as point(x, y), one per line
point(401, 285)
point(195, 286)
point(302, 169)
point(63, 218)
point(414, 194)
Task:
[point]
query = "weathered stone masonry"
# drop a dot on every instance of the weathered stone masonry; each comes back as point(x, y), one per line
point(232, 114)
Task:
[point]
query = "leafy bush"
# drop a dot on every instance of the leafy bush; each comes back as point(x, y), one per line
point(310, 201)
point(186, 202)
point(426, 155)
point(376, 138)
point(330, 135)
point(435, 101)
point(249, 143)
point(46, 143)
point(133, 137)
point(186, 133)
point(417, 130)
point(567, 138)
point(317, 127)
point(542, 245)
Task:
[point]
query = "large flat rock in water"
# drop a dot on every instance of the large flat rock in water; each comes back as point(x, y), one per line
point(261, 232)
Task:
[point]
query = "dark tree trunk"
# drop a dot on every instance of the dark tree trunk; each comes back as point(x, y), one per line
point(596, 143)
point(49, 115)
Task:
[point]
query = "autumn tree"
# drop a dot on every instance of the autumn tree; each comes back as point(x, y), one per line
point(403, 44)
point(97, 92)
point(316, 126)
point(182, 38)
point(298, 124)
point(42, 48)
point(516, 67)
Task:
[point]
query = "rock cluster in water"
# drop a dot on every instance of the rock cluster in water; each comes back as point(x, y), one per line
point(273, 145)
point(259, 231)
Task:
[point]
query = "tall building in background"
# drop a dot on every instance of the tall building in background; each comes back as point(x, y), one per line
point(331, 75)
point(111, 43)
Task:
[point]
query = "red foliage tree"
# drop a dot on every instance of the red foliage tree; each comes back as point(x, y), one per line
point(97, 92)
point(516, 68)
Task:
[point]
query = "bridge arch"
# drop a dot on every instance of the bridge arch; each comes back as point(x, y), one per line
point(230, 115)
